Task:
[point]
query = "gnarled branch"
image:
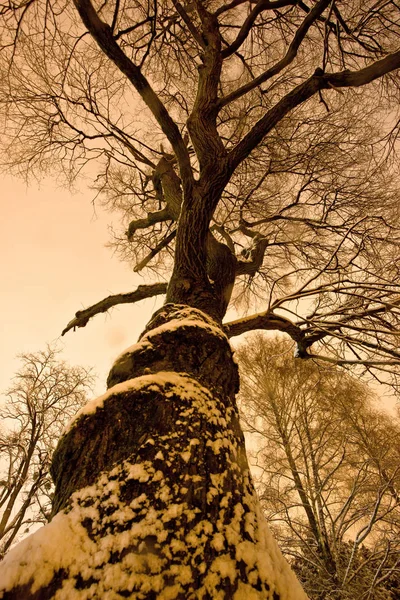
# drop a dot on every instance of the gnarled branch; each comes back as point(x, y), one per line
point(143, 291)
point(152, 218)
point(266, 320)
point(255, 256)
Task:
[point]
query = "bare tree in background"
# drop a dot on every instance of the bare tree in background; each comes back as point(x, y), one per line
point(327, 467)
point(46, 393)
point(251, 150)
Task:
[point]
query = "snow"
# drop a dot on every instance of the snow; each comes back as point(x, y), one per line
point(162, 512)
point(46, 548)
point(175, 324)
point(186, 456)
point(179, 384)
point(139, 471)
point(187, 317)
point(246, 592)
point(225, 566)
point(217, 445)
point(218, 542)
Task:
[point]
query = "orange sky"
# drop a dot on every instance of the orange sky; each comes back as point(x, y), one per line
point(54, 262)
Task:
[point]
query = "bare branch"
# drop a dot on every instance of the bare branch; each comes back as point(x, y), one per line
point(152, 218)
point(361, 362)
point(163, 244)
point(303, 92)
point(290, 55)
point(249, 22)
point(266, 320)
point(143, 291)
point(103, 35)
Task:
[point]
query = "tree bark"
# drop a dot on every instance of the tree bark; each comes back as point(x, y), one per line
point(154, 497)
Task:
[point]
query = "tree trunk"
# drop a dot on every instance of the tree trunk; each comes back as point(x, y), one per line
point(153, 492)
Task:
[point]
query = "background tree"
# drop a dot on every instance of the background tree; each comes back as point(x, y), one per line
point(46, 393)
point(327, 469)
point(246, 143)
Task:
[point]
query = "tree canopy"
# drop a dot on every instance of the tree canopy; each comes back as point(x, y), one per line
point(268, 129)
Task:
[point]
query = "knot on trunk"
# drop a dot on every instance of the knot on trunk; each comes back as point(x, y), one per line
point(221, 270)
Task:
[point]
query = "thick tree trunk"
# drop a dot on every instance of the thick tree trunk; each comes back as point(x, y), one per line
point(153, 492)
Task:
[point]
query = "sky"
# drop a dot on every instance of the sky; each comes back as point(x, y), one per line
point(55, 262)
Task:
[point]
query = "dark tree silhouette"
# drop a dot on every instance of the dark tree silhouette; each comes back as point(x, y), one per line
point(249, 147)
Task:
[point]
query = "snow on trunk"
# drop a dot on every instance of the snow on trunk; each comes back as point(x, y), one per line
point(154, 497)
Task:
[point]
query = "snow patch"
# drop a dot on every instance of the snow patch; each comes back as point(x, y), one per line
point(178, 323)
point(189, 317)
point(180, 384)
point(43, 553)
point(225, 567)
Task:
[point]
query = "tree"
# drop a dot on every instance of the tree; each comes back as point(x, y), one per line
point(247, 143)
point(328, 467)
point(46, 393)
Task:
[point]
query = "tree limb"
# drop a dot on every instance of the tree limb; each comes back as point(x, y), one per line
point(377, 69)
point(190, 25)
point(303, 92)
point(152, 218)
point(267, 321)
point(103, 35)
point(163, 244)
point(281, 64)
point(143, 291)
point(294, 98)
point(304, 338)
